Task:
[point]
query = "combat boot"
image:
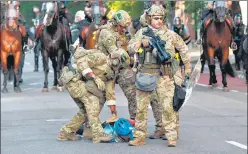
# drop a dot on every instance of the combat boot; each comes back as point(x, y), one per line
point(113, 118)
point(137, 142)
point(87, 134)
point(63, 136)
point(157, 135)
point(103, 137)
point(172, 143)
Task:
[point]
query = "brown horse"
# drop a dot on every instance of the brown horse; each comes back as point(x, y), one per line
point(11, 43)
point(216, 43)
point(87, 35)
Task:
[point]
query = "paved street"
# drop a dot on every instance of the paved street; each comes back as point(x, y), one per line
point(213, 122)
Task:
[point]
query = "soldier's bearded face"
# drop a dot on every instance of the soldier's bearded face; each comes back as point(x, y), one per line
point(157, 21)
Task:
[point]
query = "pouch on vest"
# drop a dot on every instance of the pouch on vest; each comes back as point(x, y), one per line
point(174, 66)
point(66, 76)
point(92, 88)
point(146, 82)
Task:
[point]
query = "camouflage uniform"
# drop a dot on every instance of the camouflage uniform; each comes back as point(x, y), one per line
point(165, 87)
point(110, 41)
point(89, 96)
point(156, 107)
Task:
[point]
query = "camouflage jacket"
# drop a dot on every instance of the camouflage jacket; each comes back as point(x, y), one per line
point(172, 39)
point(109, 41)
point(143, 20)
point(95, 61)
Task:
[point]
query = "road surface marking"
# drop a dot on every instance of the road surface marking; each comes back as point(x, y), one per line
point(235, 91)
point(33, 84)
point(55, 120)
point(237, 144)
point(204, 85)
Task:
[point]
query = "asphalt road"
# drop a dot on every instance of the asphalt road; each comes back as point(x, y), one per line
point(213, 122)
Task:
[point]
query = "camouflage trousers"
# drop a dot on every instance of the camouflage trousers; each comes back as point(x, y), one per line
point(157, 111)
point(89, 108)
point(126, 81)
point(165, 92)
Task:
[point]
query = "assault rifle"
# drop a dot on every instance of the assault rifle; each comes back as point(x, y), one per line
point(162, 55)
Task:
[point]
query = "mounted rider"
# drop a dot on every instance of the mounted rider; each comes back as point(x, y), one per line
point(209, 13)
point(181, 29)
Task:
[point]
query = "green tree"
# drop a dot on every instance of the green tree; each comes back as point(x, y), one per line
point(195, 8)
point(134, 8)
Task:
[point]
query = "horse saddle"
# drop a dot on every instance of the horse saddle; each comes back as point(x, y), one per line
point(210, 19)
point(207, 22)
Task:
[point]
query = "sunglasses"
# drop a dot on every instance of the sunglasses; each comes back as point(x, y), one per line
point(158, 18)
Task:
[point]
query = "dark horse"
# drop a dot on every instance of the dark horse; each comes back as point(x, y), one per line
point(54, 45)
point(216, 43)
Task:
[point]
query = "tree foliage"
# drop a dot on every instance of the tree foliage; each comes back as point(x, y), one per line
point(195, 8)
point(134, 8)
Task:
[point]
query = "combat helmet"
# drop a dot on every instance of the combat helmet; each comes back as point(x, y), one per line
point(121, 18)
point(238, 16)
point(155, 10)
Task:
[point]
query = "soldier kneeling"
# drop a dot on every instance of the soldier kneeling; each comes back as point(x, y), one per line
point(86, 84)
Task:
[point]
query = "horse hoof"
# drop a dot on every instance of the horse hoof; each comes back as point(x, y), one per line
point(60, 89)
point(5, 90)
point(45, 90)
point(54, 88)
point(21, 81)
point(225, 89)
point(36, 70)
point(17, 89)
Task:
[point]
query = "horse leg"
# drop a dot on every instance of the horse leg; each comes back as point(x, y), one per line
point(46, 70)
point(17, 59)
point(211, 66)
point(54, 64)
point(21, 67)
point(59, 68)
point(203, 60)
point(223, 62)
point(36, 57)
point(4, 56)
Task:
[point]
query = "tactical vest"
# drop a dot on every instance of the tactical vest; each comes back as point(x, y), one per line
point(177, 30)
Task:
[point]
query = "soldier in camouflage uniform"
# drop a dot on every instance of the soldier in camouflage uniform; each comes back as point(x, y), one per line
point(109, 40)
point(89, 94)
point(156, 107)
point(165, 72)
